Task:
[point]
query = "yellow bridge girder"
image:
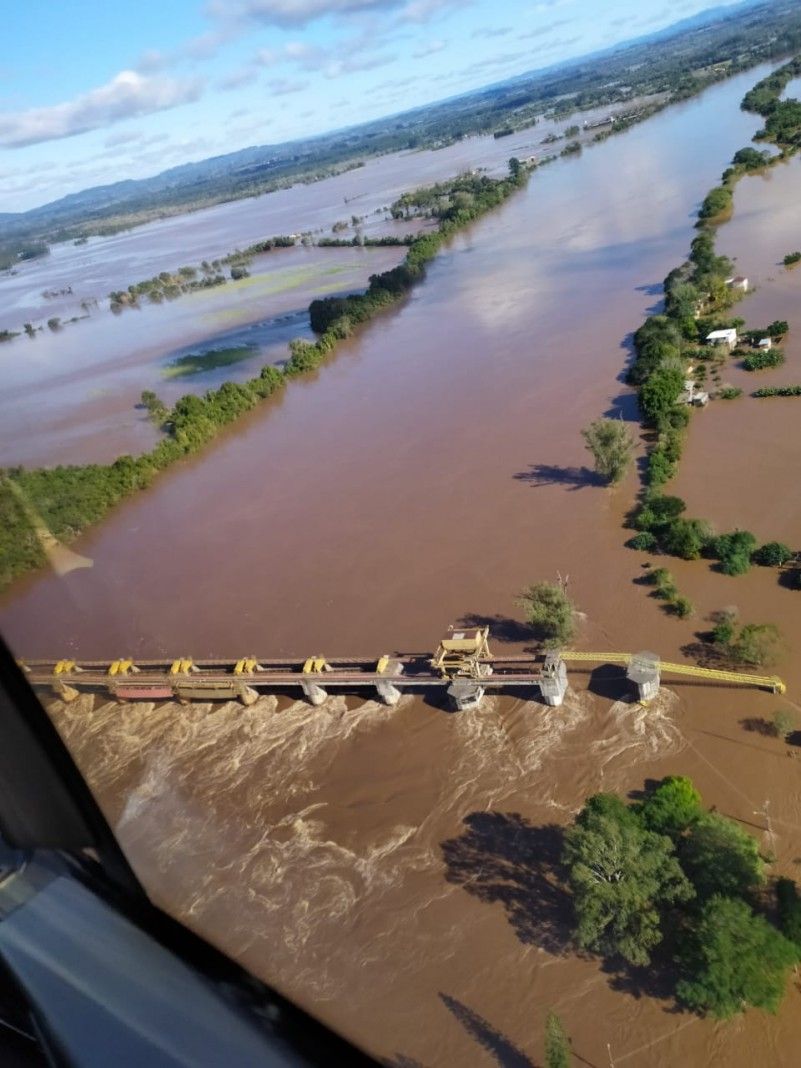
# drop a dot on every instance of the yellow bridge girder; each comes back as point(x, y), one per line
point(770, 682)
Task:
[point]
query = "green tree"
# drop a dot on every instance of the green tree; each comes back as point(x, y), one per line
point(720, 858)
point(156, 408)
point(659, 394)
point(789, 907)
point(733, 959)
point(734, 551)
point(725, 626)
point(750, 158)
point(611, 445)
point(784, 722)
point(778, 328)
point(772, 554)
point(622, 877)
point(686, 538)
point(717, 202)
point(645, 541)
point(672, 807)
point(759, 644)
point(549, 611)
point(557, 1044)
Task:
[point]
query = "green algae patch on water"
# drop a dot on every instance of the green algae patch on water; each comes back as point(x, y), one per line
point(196, 363)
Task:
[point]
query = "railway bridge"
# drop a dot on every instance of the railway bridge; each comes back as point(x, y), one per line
point(462, 664)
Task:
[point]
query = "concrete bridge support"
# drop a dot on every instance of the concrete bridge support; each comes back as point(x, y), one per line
point(314, 692)
point(387, 691)
point(466, 694)
point(643, 671)
point(553, 680)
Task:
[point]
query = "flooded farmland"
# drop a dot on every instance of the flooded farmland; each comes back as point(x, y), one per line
point(394, 868)
point(71, 394)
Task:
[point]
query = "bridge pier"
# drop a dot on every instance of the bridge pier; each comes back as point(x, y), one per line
point(65, 692)
point(466, 694)
point(388, 693)
point(386, 689)
point(314, 692)
point(643, 671)
point(553, 680)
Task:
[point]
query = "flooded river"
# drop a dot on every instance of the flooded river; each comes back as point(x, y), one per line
point(394, 868)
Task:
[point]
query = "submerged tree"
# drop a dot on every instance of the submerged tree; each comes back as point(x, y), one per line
point(720, 858)
point(622, 877)
point(611, 445)
point(557, 1044)
point(734, 959)
point(673, 806)
point(549, 611)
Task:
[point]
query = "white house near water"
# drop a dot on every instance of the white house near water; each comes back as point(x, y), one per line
point(722, 337)
point(738, 283)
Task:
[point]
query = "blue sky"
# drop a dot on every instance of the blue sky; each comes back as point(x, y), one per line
point(93, 92)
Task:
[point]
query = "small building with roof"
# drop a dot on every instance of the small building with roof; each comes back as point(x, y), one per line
point(738, 282)
point(722, 337)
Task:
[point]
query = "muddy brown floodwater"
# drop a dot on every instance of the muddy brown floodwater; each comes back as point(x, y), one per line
point(78, 387)
point(395, 869)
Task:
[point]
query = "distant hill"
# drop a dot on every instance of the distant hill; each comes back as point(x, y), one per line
point(676, 60)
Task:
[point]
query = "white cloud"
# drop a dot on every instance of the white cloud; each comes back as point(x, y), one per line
point(338, 67)
point(423, 10)
point(493, 31)
point(127, 95)
point(285, 86)
point(236, 80)
point(125, 137)
point(429, 49)
point(291, 12)
point(543, 31)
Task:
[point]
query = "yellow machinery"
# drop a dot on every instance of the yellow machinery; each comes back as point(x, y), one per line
point(461, 653)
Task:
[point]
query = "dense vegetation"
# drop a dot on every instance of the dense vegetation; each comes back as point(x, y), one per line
point(676, 66)
point(195, 363)
point(454, 204)
point(763, 359)
point(611, 445)
point(549, 612)
point(171, 284)
point(749, 644)
point(777, 391)
point(664, 879)
point(69, 499)
point(669, 346)
point(665, 590)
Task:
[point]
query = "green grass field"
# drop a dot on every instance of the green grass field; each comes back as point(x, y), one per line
point(197, 363)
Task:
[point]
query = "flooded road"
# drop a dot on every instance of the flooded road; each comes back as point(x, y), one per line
point(394, 869)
